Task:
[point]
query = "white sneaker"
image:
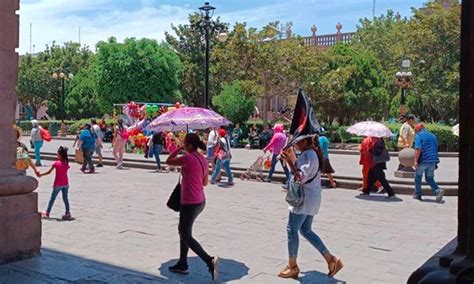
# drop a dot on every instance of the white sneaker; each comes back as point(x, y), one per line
point(439, 196)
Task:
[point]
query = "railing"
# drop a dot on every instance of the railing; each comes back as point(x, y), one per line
point(324, 41)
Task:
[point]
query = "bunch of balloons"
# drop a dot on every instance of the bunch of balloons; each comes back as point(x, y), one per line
point(133, 110)
point(152, 111)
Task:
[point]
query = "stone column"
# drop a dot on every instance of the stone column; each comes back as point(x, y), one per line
point(20, 223)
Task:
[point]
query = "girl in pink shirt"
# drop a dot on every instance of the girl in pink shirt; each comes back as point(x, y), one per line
point(61, 183)
point(195, 176)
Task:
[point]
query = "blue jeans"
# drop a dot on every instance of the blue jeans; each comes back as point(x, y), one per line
point(157, 149)
point(302, 223)
point(235, 141)
point(272, 169)
point(428, 169)
point(38, 146)
point(219, 164)
point(54, 194)
point(210, 152)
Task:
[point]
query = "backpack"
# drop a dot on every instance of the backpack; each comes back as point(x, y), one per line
point(45, 135)
point(22, 159)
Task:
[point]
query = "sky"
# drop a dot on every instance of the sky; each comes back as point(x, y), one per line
point(60, 20)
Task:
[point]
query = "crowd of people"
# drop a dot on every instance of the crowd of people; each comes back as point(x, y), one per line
point(303, 164)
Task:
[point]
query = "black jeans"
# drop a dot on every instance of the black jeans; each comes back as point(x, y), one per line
point(377, 174)
point(88, 159)
point(187, 216)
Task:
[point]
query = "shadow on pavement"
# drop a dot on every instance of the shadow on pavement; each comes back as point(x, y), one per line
point(378, 198)
point(59, 267)
point(317, 277)
point(229, 270)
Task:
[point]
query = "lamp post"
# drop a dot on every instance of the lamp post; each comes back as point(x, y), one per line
point(207, 11)
point(63, 77)
point(404, 82)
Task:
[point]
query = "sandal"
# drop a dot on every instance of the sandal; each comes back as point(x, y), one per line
point(289, 272)
point(334, 266)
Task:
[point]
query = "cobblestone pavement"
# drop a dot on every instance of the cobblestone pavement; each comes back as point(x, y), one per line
point(123, 233)
point(345, 165)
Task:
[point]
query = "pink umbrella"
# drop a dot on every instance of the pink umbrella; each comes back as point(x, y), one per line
point(370, 128)
point(188, 118)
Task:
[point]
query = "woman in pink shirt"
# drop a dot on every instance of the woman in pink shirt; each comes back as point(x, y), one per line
point(195, 176)
point(275, 146)
point(61, 183)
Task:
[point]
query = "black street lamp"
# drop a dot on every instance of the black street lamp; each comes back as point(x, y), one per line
point(207, 11)
point(404, 82)
point(63, 77)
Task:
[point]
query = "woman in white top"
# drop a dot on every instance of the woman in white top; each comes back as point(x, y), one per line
point(307, 171)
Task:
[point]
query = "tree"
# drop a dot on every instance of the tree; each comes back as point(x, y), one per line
point(190, 46)
point(351, 87)
point(139, 70)
point(236, 101)
point(35, 82)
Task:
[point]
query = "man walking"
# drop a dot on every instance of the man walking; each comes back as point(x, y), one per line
point(426, 161)
point(100, 137)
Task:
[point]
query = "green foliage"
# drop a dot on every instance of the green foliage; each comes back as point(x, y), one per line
point(35, 82)
point(190, 47)
point(139, 70)
point(235, 102)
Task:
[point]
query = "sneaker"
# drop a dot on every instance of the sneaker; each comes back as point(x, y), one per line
point(120, 167)
point(439, 196)
point(67, 217)
point(230, 183)
point(179, 268)
point(214, 268)
point(83, 170)
point(417, 197)
point(45, 215)
point(364, 193)
point(380, 190)
point(268, 180)
point(100, 165)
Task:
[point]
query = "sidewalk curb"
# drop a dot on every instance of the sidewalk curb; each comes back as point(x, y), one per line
point(345, 182)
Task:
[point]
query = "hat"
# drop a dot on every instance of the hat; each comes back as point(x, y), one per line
point(419, 127)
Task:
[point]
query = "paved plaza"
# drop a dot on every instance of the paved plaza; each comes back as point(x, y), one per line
point(124, 233)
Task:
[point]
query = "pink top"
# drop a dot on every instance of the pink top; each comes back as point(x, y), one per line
point(193, 171)
point(277, 143)
point(170, 143)
point(61, 173)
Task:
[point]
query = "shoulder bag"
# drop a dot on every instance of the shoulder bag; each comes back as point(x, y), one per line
point(295, 194)
point(174, 201)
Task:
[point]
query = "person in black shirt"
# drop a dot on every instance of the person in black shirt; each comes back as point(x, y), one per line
point(158, 140)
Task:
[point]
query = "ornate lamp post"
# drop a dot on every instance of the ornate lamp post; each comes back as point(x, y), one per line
point(404, 82)
point(207, 11)
point(63, 77)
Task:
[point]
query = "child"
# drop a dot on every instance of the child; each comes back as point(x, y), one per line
point(61, 183)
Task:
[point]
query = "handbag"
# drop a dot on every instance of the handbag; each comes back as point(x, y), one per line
point(174, 201)
point(79, 157)
point(295, 194)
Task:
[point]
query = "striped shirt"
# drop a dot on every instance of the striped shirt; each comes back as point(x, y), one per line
point(427, 143)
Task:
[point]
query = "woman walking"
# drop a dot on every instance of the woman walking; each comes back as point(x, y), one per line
point(223, 158)
point(195, 176)
point(307, 172)
point(380, 157)
point(87, 142)
point(120, 139)
point(36, 141)
point(158, 142)
point(275, 146)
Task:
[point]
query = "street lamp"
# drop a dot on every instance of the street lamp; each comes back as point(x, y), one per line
point(207, 11)
point(63, 77)
point(404, 82)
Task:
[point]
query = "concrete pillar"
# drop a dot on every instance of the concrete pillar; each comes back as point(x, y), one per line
point(20, 223)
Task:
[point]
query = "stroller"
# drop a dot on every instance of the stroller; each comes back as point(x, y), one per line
point(256, 168)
